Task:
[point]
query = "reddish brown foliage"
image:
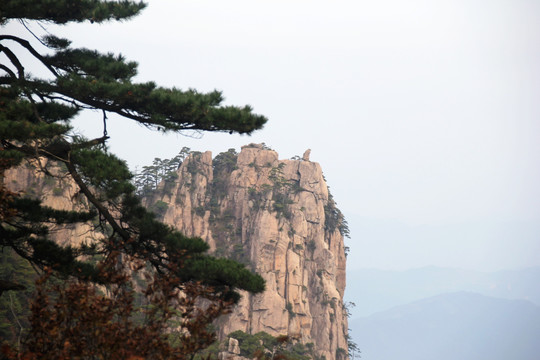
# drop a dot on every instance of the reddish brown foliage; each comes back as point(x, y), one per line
point(76, 320)
point(6, 196)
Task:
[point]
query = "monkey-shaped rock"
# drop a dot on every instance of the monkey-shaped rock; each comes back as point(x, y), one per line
point(305, 157)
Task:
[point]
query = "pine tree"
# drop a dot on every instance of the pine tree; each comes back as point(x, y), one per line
point(35, 118)
point(14, 305)
point(147, 180)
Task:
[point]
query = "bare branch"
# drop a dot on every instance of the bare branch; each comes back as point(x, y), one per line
point(99, 206)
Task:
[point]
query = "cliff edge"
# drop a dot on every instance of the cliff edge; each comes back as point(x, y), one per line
point(278, 218)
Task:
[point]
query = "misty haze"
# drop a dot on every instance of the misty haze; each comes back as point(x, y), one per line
point(339, 179)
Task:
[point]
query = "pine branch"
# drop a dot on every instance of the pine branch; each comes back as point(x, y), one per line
point(26, 44)
point(99, 206)
point(8, 70)
point(6, 285)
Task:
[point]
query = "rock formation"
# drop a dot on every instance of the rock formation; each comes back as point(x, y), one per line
point(305, 157)
point(277, 217)
point(56, 192)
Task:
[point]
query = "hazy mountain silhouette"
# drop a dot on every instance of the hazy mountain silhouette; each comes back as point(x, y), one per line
point(462, 325)
point(378, 290)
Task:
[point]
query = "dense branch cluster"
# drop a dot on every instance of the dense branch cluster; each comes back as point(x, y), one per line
point(35, 130)
point(162, 170)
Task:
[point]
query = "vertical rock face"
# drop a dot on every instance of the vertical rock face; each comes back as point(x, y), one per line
point(56, 193)
point(278, 218)
point(275, 216)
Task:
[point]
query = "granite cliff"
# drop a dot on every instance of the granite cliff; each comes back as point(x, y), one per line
point(277, 217)
point(56, 192)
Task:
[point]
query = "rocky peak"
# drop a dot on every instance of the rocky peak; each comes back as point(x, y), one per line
point(277, 217)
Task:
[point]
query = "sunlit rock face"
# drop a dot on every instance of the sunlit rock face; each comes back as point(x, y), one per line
point(278, 218)
point(275, 216)
point(56, 192)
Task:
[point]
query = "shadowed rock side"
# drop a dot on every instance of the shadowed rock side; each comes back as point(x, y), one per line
point(275, 216)
point(58, 193)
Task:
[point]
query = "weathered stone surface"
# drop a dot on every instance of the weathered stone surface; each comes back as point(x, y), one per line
point(265, 212)
point(233, 348)
point(57, 193)
point(305, 157)
point(270, 214)
point(232, 352)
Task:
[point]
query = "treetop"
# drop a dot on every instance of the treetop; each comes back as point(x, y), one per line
point(64, 11)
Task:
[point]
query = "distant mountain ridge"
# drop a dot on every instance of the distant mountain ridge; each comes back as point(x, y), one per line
point(378, 290)
point(460, 325)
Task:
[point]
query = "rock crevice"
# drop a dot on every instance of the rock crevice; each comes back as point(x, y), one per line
point(273, 216)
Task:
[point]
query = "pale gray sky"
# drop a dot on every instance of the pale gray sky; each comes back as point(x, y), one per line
point(424, 115)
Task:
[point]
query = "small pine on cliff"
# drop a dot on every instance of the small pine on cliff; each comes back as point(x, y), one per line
point(278, 218)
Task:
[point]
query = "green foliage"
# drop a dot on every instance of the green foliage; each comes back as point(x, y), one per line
point(200, 211)
point(311, 246)
point(68, 316)
point(223, 165)
point(259, 197)
point(262, 146)
point(276, 176)
point(35, 122)
point(264, 346)
point(225, 162)
point(281, 191)
point(295, 187)
point(225, 228)
point(36, 116)
point(147, 180)
point(334, 218)
point(222, 274)
point(193, 166)
point(352, 347)
point(289, 308)
point(14, 305)
point(347, 306)
point(210, 352)
point(61, 12)
point(27, 235)
point(239, 253)
point(249, 344)
point(281, 204)
point(49, 181)
point(159, 207)
point(341, 354)
point(333, 303)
